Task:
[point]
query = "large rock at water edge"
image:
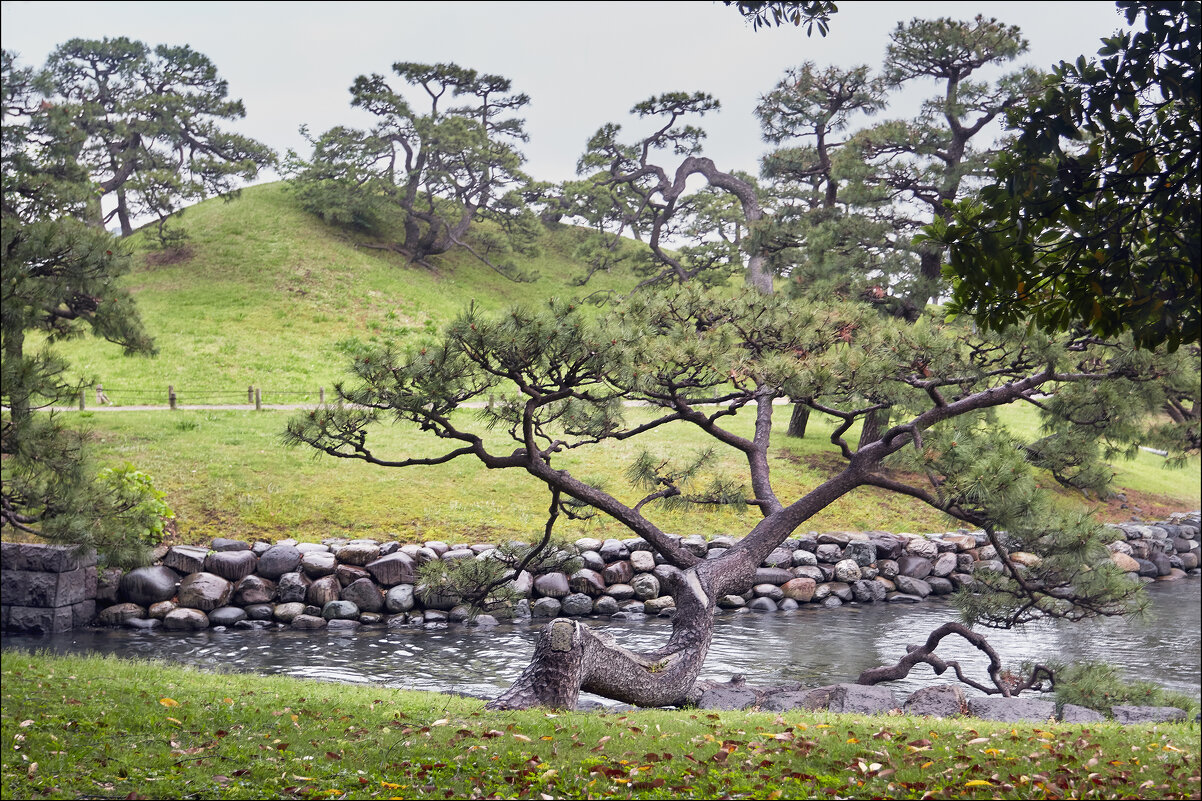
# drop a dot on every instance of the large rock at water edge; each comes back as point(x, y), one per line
point(396, 568)
point(148, 585)
point(205, 591)
point(278, 560)
point(186, 619)
point(941, 701)
point(364, 594)
point(1011, 710)
point(231, 565)
point(1148, 714)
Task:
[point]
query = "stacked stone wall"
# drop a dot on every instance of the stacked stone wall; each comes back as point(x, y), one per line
point(46, 588)
point(342, 584)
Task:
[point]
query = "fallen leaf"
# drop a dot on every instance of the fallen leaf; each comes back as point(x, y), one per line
point(978, 783)
point(976, 740)
point(521, 737)
point(168, 702)
point(25, 724)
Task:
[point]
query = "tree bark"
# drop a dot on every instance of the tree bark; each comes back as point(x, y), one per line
point(798, 420)
point(569, 657)
point(874, 424)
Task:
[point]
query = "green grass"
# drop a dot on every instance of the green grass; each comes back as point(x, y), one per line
point(268, 292)
point(226, 474)
point(102, 727)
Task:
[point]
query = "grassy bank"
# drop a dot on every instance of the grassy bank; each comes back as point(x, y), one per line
point(105, 728)
point(226, 474)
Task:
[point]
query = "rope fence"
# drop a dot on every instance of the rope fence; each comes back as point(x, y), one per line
point(102, 395)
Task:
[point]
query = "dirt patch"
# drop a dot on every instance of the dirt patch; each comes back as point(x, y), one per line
point(1138, 506)
point(161, 258)
point(826, 462)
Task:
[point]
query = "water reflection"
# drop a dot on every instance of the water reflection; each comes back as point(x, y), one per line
point(812, 646)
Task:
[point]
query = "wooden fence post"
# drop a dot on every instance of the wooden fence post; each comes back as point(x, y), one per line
point(321, 394)
point(258, 399)
point(171, 396)
point(82, 395)
point(250, 394)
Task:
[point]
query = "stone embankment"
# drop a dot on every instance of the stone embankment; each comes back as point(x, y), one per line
point(344, 584)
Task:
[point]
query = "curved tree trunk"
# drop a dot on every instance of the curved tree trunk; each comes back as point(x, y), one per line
point(798, 420)
point(570, 657)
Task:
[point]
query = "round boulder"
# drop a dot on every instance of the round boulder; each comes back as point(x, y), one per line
point(278, 560)
point(205, 591)
point(577, 604)
point(588, 582)
point(340, 610)
point(231, 565)
point(645, 586)
point(364, 594)
point(118, 614)
point(226, 616)
point(399, 598)
point(322, 591)
point(799, 589)
point(316, 564)
point(293, 588)
point(286, 613)
point(148, 585)
point(552, 585)
point(186, 619)
point(848, 570)
point(253, 590)
point(546, 607)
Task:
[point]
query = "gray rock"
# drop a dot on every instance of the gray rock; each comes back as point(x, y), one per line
point(918, 567)
point(592, 560)
point(316, 564)
point(779, 558)
point(285, 613)
point(252, 590)
point(922, 547)
point(144, 624)
point(312, 547)
point(762, 605)
point(322, 591)
point(587, 544)
point(862, 553)
point(186, 619)
point(395, 568)
point(769, 591)
point(802, 558)
point(359, 553)
point(186, 558)
point(1071, 713)
point(642, 561)
point(847, 570)
point(887, 547)
point(613, 551)
point(696, 545)
point(455, 554)
point(632, 608)
point(939, 701)
point(940, 586)
point(587, 581)
point(888, 568)
point(785, 701)
point(620, 592)
point(259, 611)
point(913, 586)
point(812, 572)
point(772, 575)
point(308, 622)
point(484, 621)
point(117, 614)
point(945, 564)
point(522, 583)
point(577, 604)
point(226, 615)
point(842, 591)
point(832, 602)
point(605, 606)
point(159, 611)
point(205, 591)
point(1011, 710)
point(343, 626)
point(965, 563)
point(224, 544)
point(399, 598)
point(340, 610)
point(278, 560)
point(546, 607)
point(902, 598)
point(829, 552)
point(656, 606)
point(731, 602)
point(855, 699)
point(867, 592)
point(552, 585)
point(787, 605)
point(727, 698)
point(294, 588)
point(364, 594)
point(645, 586)
point(147, 585)
point(618, 573)
point(1147, 714)
point(231, 565)
point(349, 574)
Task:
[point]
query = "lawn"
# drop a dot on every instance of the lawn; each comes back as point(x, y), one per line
point(95, 727)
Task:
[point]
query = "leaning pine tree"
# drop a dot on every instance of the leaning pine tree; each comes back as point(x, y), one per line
point(718, 363)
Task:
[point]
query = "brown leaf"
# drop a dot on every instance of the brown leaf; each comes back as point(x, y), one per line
point(332, 755)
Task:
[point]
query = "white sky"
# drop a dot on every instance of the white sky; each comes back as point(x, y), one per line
point(583, 64)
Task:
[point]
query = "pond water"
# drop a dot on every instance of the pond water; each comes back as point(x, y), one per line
point(811, 645)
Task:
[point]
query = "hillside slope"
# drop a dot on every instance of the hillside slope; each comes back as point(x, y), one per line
point(268, 291)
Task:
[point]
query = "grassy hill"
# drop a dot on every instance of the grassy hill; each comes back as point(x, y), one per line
point(264, 298)
point(268, 291)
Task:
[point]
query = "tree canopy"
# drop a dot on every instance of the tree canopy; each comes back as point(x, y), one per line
point(149, 122)
point(1092, 218)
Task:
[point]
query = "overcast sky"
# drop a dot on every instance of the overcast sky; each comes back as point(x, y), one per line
point(583, 64)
